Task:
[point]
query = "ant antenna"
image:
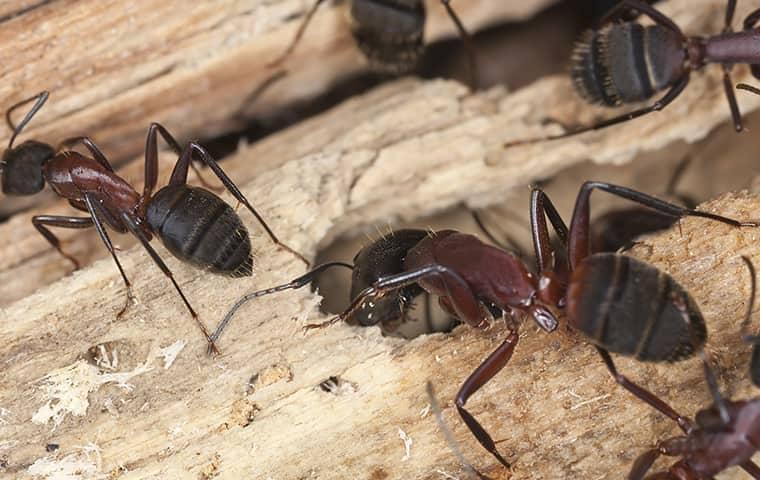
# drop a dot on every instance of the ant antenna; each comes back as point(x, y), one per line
point(296, 283)
point(41, 99)
point(453, 445)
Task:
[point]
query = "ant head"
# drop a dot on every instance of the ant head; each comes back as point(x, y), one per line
point(381, 258)
point(22, 168)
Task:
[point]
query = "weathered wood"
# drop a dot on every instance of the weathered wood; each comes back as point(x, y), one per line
point(112, 68)
point(406, 149)
point(556, 409)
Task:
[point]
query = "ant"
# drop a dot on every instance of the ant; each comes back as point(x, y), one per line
point(725, 434)
point(384, 256)
point(620, 304)
point(194, 224)
point(628, 62)
point(389, 33)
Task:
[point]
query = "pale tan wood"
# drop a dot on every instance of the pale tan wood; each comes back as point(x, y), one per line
point(556, 409)
point(112, 67)
point(404, 150)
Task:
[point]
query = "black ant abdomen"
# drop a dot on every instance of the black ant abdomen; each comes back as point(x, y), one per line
point(626, 63)
point(389, 33)
point(604, 301)
point(200, 228)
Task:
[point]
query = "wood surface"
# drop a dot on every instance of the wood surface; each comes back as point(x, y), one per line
point(112, 67)
point(406, 149)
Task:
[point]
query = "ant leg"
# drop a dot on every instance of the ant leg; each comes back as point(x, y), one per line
point(579, 240)
point(40, 98)
point(472, 63)
point(730, 9)
point(93, 208)
point(648, 10)
point(134, 228)
point(436, 408)
point(541, 207)
point(663, 102)
point(179, 177)
point(40, 222)
point(753, 340)
point(97, 154)
point(510, 244)
point(296, 283)
point(151, 158)
point(643, 394)
point(451, 284)
point(492, 365)
point(643, 463)
point(728, 86)
point(675, 179)
point(297, 38)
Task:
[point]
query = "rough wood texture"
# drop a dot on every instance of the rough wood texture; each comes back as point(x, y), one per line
point(556, 409)
point(113, 67)
point(406, 149)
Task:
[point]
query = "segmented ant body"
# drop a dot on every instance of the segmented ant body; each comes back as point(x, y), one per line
point(194, 224)
point(627, 62)
point(608, 297)
point(389, 33)
point(725, 435)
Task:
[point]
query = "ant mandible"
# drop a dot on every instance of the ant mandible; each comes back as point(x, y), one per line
point(194, 224)
point(476, 282)
point(725, 435)
point(628, 62)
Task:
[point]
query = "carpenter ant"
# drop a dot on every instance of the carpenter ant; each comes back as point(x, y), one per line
point(385, 256)
point(628, 62)
point(621, 304)
point(389, 33)
point(194, 224)
point(726, 434)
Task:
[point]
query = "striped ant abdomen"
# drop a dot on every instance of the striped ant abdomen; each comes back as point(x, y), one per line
point(632, 308)
point(389, 33)
point(202, 229)
point(626, 62)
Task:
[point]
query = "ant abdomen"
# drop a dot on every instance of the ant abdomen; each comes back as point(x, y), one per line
point(629, 307)
point(22, 168)
point(626, 63)
point(389, 33)
point(200, 228)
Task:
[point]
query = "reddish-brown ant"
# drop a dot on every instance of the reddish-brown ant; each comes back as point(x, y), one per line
point(194, 224)
point(628, 62)
point(725, 435)
point(608, 297)
point(389, 33)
